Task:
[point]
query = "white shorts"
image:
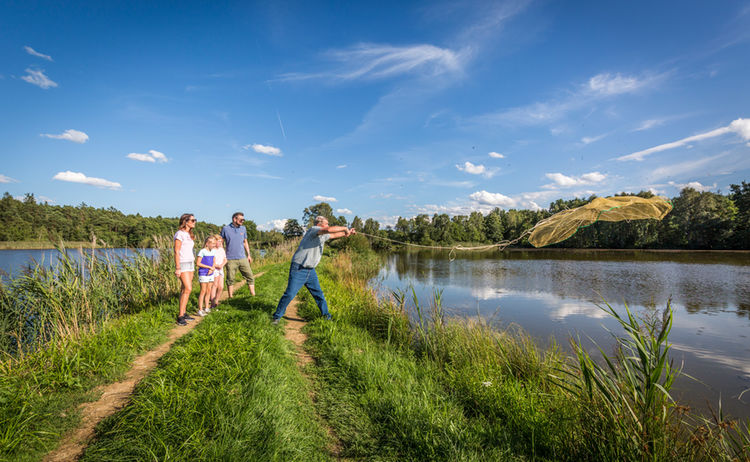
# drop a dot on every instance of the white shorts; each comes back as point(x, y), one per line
point(209, 278)
point(187, 266)
point(218, 272)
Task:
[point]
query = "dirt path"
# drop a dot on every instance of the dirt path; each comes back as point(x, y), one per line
point(116, 395)
point(293, 332)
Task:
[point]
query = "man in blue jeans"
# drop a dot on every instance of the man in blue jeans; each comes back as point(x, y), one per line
point(305, 259)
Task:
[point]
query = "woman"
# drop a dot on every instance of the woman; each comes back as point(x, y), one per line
point(184, 262)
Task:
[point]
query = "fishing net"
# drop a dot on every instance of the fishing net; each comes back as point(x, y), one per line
point(562, 225)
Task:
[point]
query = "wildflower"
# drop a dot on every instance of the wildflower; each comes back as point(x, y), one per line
point(487, 384)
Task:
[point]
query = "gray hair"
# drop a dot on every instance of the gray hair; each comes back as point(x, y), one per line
point(320, 219)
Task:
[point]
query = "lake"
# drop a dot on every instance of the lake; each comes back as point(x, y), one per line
point(555, 293)
point(12, 262)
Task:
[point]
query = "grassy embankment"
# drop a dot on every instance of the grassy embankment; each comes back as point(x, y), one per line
point(64, 332)
point(392, 389)
point(451, 390)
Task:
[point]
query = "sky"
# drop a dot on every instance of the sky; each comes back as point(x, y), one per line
point(382, 109)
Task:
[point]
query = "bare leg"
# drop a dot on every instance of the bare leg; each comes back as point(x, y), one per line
point(252, 289)
point(186, 278)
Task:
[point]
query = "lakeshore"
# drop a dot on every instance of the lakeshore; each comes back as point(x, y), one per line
point(376, 384)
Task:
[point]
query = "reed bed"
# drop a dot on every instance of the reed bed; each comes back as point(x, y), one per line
point(78, 296)
point(537, 404)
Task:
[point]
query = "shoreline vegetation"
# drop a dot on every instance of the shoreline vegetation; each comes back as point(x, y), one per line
point(699, 220)
point(390, 386)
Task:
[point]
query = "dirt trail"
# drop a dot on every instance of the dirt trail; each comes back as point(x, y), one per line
point(293, 332)
point(116, 395)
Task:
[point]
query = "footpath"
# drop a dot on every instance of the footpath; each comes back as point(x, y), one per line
point(116, 395)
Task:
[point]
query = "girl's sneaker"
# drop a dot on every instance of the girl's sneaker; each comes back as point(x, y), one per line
point(187, 317)
point(208, 310)
point(181, 321)
point(201, 313)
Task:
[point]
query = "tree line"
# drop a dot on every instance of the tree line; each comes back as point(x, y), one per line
point(698, 220)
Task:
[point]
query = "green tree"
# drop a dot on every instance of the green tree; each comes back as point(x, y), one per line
point(322, 209)
point(292, 229)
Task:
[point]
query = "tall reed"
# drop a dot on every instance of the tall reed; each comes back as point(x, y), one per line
point(74, 297)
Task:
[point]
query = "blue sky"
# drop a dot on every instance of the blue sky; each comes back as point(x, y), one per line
point(381, 109)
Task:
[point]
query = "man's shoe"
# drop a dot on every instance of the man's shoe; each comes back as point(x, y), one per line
point(181, 321)
point(275, 321)
point(187, 317)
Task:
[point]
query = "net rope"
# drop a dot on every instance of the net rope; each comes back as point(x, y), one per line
point(564, 224)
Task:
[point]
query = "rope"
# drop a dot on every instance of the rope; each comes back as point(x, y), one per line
point(452, 254)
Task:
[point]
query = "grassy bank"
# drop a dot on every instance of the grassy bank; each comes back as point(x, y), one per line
point(64, 332)
point(230, 390)
point(394, 389)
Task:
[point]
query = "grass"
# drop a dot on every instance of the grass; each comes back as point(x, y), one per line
point(84, 326)
point(389, 387)
point(512, 398)
point(230, 390)
point(39, 393)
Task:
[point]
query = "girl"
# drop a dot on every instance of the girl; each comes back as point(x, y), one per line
point(184, 260)
point(220, 259)
point(206, 274)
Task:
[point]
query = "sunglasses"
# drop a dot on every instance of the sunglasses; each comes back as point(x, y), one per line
point(192, 220)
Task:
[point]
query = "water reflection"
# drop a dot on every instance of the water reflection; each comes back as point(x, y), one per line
point(556, 293)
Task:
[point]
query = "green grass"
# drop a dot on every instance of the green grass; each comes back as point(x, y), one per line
point(39, 393)
point(230, 390)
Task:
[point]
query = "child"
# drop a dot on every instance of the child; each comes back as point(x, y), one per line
point(205, 265)
point(220, 259)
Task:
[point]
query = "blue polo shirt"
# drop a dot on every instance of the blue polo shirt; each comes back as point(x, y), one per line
point(235, 237)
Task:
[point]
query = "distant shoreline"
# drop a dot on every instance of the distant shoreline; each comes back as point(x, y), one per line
point(42, 245)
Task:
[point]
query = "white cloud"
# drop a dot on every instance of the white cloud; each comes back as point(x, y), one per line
point(70, 135)
point(372, 61)
point(344, 211)
point(7, 179)
point(75, 177)
point(592, 139)
point(607, 84)
point(496, 155)
point(693, 184)
point(493, 199)
point(38, 78)
point(688, 168)
point(33, 52)
point(564, 181)
point(341, 166)
point(598, 87)
point(320, 198)
point(738, 126)
point(468, 167)
point(651, 123)
point(152, 156)
point(275, 225)
point(268, 150)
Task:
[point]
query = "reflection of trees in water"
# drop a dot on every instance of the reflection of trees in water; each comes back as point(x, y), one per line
point(633, 280)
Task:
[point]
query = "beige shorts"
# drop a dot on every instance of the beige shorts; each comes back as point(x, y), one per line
point(240, 264)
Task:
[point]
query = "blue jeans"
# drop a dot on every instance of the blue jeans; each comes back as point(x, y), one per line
point(298, 277)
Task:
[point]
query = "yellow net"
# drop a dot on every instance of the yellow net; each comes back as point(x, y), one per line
point(562, 225)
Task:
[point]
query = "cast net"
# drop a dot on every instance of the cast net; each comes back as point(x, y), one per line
point(562, 225)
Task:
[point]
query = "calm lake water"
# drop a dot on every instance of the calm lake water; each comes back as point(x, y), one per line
point(555, 293)
point(12, 262)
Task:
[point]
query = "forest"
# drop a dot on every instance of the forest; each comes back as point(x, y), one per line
point(699, 220)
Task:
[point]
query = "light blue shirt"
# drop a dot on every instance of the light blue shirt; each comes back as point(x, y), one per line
point(235, 237)
point(310, 248)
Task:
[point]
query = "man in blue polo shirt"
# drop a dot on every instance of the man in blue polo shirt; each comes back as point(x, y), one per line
point(305, 259)
point(238, 252)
